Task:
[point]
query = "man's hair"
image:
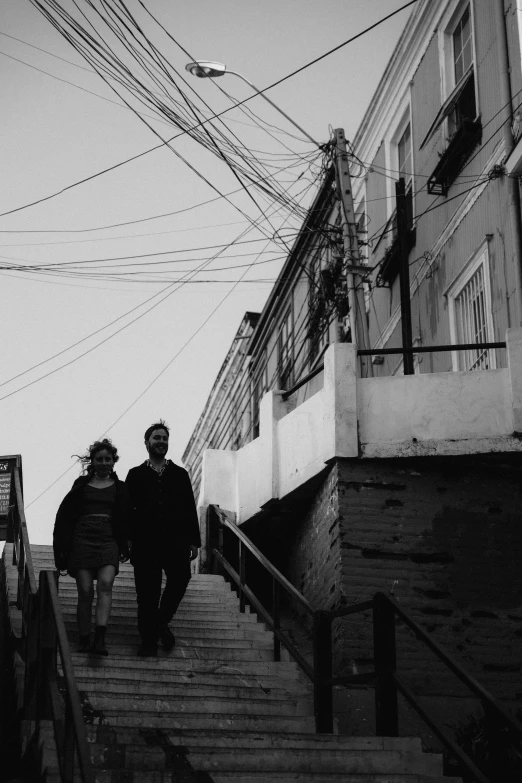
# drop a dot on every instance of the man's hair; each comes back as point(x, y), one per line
point(159, 425)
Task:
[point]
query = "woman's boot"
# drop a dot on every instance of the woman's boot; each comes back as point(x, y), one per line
point(98, 644)
point(84, 642)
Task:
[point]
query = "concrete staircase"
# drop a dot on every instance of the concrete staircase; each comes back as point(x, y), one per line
point(216, 708)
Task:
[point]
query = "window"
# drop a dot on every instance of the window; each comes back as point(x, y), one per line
point(260, 387)
point(459, 113)
point(317, 310)
point(470, 315)
point(401, 162)
point(465, 105)
point(285, 351)
point(405, 160)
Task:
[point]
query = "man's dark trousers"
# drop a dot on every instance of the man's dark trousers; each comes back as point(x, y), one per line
point(154, 608)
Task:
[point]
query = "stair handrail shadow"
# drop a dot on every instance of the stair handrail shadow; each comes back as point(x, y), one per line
point(387, 683)
point(42, 635)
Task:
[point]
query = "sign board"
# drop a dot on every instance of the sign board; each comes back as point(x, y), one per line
point(5, 488)
point(8, 465)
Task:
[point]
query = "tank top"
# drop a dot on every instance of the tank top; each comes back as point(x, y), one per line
point(98, 501)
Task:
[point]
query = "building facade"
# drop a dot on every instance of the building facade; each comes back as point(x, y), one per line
point(360, 479)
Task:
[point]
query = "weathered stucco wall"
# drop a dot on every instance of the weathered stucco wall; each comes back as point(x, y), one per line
point(435, 406)
point(350, 417)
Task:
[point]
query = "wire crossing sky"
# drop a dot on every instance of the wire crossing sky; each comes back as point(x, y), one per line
point(110, 323)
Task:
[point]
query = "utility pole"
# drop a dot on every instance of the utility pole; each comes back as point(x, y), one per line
point(358, 320)
point(404, 276)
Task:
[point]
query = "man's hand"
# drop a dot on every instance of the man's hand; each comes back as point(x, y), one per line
point(193, 551)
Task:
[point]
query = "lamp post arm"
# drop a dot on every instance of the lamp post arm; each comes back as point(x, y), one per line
point(262, 94)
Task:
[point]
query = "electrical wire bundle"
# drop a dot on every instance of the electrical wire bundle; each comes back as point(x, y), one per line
point(114, 43)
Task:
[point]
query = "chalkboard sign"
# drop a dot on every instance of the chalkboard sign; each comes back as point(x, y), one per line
point(5, 492)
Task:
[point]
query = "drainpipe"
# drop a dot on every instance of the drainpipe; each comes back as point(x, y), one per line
point(509, 143)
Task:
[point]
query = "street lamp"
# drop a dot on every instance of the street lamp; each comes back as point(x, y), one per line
point(207, 69)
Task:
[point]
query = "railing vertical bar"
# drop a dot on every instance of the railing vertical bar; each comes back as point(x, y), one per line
point(276, 609)
point(242, 573)
point(30, 621)
point(386, 708)
point(323, 691)
point(46, 650)
point(68, 743)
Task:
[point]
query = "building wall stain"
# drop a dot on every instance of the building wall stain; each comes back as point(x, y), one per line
point(486, 553)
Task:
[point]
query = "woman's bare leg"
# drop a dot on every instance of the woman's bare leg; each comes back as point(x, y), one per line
point(105, 580)
point(84, 584)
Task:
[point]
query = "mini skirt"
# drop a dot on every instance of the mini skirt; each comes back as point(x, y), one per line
point(93, 544)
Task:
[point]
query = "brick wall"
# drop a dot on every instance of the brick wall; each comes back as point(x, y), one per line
point(444, 535)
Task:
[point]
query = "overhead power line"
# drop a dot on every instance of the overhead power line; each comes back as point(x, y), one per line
point(207, 120)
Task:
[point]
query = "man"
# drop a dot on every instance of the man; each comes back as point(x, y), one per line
point(164, 535)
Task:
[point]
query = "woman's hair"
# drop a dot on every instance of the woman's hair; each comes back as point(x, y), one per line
point(98, 445)
point(159, 425)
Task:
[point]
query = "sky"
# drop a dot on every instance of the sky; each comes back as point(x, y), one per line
point(163, 363)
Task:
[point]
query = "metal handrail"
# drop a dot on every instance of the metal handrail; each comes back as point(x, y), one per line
point(65, 713)
point(393, 351)
point(272, 570)
point(428, 348)
point(278, 582)
point(385, 609)
point(385, 679)
point(43, 632)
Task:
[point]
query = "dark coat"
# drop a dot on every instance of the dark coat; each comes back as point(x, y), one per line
point(164, 519)
point(70, 511)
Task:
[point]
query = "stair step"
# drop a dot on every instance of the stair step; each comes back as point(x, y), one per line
point(216, 760)
point(299, 761)
point(191, 704)
point(185, 634)
point(216, 707)
point(115, 641)
point(248, 739)
point(208, 721)
point(188, 775)
point(214, 652)
point(317, 777)
point(167, 665)
point(89, 681)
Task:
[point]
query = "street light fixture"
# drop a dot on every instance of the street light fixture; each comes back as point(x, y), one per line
point(208, 69)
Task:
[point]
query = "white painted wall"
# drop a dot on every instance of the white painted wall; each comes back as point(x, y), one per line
point(440, 406)
point(433, 413)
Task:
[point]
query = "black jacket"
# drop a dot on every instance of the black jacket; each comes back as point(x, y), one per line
point(70, 511)
point(164, 518)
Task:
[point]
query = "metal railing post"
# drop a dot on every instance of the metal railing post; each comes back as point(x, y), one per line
point(323, 692)
point(31, 625)
point(385, 655)
point(242, 570)
point(46, 650)
point(277, 618)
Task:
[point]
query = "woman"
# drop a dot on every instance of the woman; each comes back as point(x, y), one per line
point(90, 539)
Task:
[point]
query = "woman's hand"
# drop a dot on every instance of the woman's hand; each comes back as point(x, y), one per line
point(124, 555)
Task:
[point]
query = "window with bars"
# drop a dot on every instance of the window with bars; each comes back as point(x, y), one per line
point(470, 315)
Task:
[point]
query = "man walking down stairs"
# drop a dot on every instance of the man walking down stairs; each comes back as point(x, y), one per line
point(216, 707)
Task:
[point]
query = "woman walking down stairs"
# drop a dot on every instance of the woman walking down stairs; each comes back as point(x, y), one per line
point(214, 708)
